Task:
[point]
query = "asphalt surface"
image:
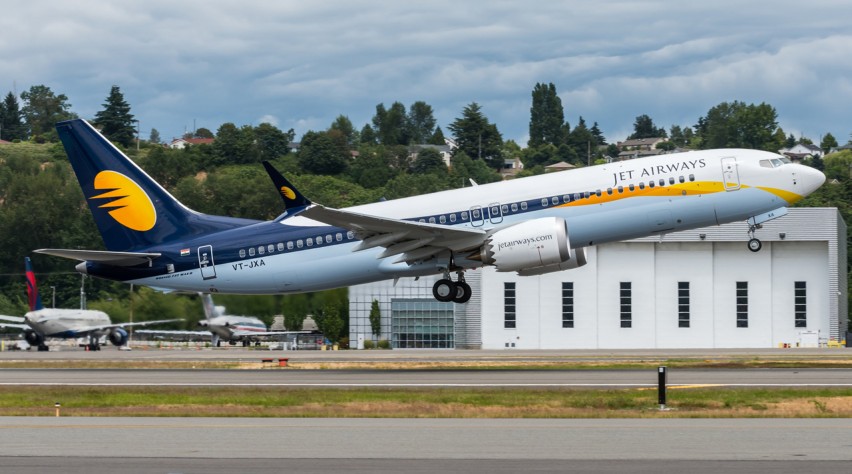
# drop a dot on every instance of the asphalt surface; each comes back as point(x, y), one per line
point(424, 445)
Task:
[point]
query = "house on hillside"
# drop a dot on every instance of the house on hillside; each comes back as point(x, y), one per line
point(181, 143)
point(511, 168)
point(639, 147)
point(801, 151)
point(445, 151)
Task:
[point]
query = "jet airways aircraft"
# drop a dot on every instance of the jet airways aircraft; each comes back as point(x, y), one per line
point(231, 328)
point(531, 226)
point(41, 323)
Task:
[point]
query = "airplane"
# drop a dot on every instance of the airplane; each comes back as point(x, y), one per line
point(231, 328)
point(530, 226)
point(41, 323)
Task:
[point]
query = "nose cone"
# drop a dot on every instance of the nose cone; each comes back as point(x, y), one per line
point(810, 179)
point(81, 267)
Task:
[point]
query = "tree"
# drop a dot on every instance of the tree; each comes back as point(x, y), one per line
point(203, 133)
point(330, 320)
point(429, 161)
point(421, 123)
point(11, 122)
point(42, 109)
point(547, 117)
point(828, 142)
point(737, 125)
point(477, 137)
point(344, 126)
point(320, 155)
point(391, 126)
point(154, 137)
point(644, 127)
point(271, 142)
point(376, 318)
point(437, 137)
point(115, 119)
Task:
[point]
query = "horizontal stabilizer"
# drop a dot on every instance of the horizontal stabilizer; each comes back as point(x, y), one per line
point(14, 319)
point(117, 259)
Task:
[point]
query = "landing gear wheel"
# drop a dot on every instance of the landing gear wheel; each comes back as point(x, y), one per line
point(43, 348)
point(754, 245)
point(444, 290)
point(463, 293)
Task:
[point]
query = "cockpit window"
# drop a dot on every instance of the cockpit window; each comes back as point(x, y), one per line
point(785, 160)
point(777, 162)
point(766, 164)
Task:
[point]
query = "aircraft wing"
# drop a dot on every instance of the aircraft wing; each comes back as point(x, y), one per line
point(174, 332)
point(412, 240)
point(267, 333)
point(14, 319)
point(88, 329)
point(118, 259)
point(13, 325)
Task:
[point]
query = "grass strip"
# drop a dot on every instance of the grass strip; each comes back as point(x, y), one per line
point(423, 403)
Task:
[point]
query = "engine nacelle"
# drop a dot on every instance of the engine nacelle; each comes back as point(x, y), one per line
point(33, 338)
point(532, 248)
point(117, 337)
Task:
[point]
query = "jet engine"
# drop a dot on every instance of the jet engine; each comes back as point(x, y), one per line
point(33, 338)
point(117, 337)
point(533, 247)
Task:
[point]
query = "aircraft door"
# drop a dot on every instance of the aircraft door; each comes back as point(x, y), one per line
point(205, 262)
point(477, 216)
point(730, 174)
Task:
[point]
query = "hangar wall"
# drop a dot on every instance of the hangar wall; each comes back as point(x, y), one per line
point(693, 289)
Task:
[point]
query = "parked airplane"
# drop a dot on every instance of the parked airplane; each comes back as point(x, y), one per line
point(41, 323)
point(228, 327)
point(531, 226)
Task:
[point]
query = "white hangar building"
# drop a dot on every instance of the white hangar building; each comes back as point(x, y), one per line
point(693, 289)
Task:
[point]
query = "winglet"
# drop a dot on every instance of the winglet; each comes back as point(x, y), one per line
point(33, 298)
point(293, 199)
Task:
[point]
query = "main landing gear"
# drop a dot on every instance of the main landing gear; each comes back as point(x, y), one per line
point(445, 290)
point(753, 243)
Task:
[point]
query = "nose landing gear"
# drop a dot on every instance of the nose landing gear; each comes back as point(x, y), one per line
point(753, 242)
point(445, 290)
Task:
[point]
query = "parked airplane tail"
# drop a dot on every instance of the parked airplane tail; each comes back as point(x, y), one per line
point(210, 311)
point(33, 298)
point(130, 209)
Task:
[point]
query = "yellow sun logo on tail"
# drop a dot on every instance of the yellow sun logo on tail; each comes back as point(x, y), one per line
point(131, 207)
point(287, 192)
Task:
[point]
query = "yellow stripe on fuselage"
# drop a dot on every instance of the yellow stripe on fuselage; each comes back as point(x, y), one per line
point(671, 190)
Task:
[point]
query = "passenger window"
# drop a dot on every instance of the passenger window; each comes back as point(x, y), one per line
point(554, 200)
point(319, 240)
point(544, 202)
point(280, 247)
point(289, 245)
point(242, 253)
point(587, 194)
point(662, 182)
point(350, 235)
point(300, 243)
point(504, 208)
point(524, 206)
point(576, 196)
point(476, 213)
point(631, 188)
point(692, 177)
point(609, 191)
point(566, 199)
point(453, 217)
point(260, 250)
point(423, 220)
point(251, 252)
point(338, 237)
point(671, 180)
point(309, 242)
point(495, 211)
point(464, 215)
point(328, 239)
point(431, 220)
point(620, 189)
point(442, 219)
point(598, 193)
point(514, 207)
point(641, 186)
point(651, 184)
point(270, 248)
point(681, 179)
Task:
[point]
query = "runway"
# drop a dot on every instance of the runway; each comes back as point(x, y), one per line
point(425, 445)
point(429, 378)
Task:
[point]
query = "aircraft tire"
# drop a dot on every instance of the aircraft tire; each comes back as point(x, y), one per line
point(754, 245)
point(463, 293)
point(444, 290)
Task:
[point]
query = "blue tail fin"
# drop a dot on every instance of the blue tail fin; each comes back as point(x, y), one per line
point(131, 210)
point(33, 298)
point(293, 199)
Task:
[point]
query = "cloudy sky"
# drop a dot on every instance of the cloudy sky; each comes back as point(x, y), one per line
point(300, 64)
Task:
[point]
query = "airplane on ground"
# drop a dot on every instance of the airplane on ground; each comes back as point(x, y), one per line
point(531, 226)
point(41, 323)
point(231, 328)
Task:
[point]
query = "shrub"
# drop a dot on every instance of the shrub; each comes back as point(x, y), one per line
point(368, 344)
point(384, 344)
